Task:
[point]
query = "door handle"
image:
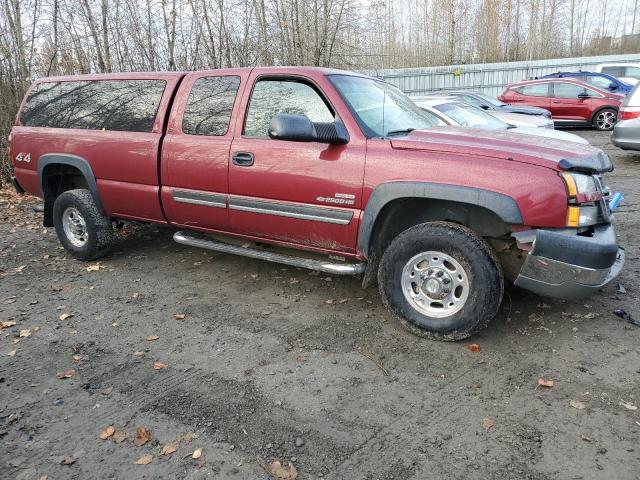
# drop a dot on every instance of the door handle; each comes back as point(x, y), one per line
point(242, 159)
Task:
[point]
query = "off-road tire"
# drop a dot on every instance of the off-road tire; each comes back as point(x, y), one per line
point(486, 284)
point(98, 227)
point(604, 111)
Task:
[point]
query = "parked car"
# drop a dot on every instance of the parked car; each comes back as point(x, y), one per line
point(626, 133)
point(627, 72)
point(492, 104)
point(571, 102)
point(603, 81)
point(453, 112)
point(334, 170)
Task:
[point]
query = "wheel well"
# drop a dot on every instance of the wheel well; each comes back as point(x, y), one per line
point(56, 179)
point(403, 213)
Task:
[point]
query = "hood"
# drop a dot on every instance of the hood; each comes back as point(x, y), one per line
point(523, 120)
point(525, 110)
point(504, 145)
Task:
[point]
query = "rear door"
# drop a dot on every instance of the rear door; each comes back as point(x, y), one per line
point(300, 193)
point(195, 152)
point(534, 95)
point(566, 104)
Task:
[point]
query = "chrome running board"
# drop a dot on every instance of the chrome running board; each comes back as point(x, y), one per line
point(187, 238)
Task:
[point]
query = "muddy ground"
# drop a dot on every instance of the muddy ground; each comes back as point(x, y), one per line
point(281, 363)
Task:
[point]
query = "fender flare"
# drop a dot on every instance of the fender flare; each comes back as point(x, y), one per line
point(504, 206)
point(74, 161)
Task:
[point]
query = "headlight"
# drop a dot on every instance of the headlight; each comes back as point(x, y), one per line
point(583, 197)
point(579, 183)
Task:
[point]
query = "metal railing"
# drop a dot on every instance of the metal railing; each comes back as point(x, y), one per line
point(489, 78)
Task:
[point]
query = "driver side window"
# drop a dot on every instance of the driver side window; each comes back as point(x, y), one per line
point(567, 90)
point(271, 97)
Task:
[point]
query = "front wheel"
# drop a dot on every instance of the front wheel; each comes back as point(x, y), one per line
point(605, 119)
point(441, 280)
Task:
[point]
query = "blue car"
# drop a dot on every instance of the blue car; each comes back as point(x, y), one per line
point(601, 80)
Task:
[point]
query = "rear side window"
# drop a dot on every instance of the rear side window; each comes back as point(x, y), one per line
point(271, 97)
point(209, 107)
point(537, 90)
point(120, 105)
point(615, 71)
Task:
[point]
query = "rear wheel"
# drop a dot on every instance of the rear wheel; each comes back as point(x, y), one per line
point(441, 280)
point(605, 119)
point(82, 229)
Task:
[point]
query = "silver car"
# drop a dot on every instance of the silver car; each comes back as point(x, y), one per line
point(453, 112)
point(626, 133)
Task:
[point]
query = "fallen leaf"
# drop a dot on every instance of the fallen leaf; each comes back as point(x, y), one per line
point(587, 438)
point(144, 460)
point(179, 316)
point(20, 268)
point(545, 383)
point(25, 333)
point(169, 448)
point(487, 423)
point(280, 472)
point(628, 406)
point(12, 353)
point(152, 338)
point(67, 460)
point(187, 437)
point(473, 347)
point(135, 295)
point(95, 267)
point(159, 366)
point(106, 391)
point(64, 316)
point(143, 435)
point(196, 454)
point(138, 354)
point(120, 436)
point(577, 404)
point(7, 324)
point(67, 374)
point(107, 433)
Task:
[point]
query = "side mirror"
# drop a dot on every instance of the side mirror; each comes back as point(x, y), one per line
point(298, 128)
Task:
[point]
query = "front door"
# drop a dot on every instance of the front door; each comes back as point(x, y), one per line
point(195, 152)
point(567, 105)
point(298, 193)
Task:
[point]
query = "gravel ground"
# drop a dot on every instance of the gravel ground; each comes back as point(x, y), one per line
point(280, 363)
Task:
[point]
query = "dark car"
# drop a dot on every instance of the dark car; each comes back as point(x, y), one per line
point(570, 101)
point(490, 103)
point(603, 81)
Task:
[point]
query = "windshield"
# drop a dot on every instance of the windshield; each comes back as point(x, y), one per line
point(469, 116)
point(490, 100)
point(380, 108)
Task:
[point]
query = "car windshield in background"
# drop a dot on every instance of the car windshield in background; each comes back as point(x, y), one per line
point(490, 100)
point(380, 108)
point(469, 116)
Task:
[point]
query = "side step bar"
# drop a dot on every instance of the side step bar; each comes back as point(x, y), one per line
point(186, 238)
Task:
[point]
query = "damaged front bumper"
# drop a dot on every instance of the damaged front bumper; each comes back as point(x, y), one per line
point(569, 266)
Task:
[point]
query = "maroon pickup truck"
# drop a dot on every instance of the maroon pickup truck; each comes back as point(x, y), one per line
point(322, 169)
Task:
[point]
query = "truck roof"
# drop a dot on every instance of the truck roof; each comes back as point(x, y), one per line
point(180, 74)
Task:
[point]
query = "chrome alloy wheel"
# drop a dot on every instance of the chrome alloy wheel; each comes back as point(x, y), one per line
point(606, 120)
point(435, 284)
point(75, 227)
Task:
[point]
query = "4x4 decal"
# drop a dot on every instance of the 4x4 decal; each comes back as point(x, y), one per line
point(23, 158)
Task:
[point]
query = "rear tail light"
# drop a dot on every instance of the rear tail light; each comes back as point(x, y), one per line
point(629, 113)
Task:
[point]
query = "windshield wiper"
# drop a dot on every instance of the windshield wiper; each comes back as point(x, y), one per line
point(400, 132)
